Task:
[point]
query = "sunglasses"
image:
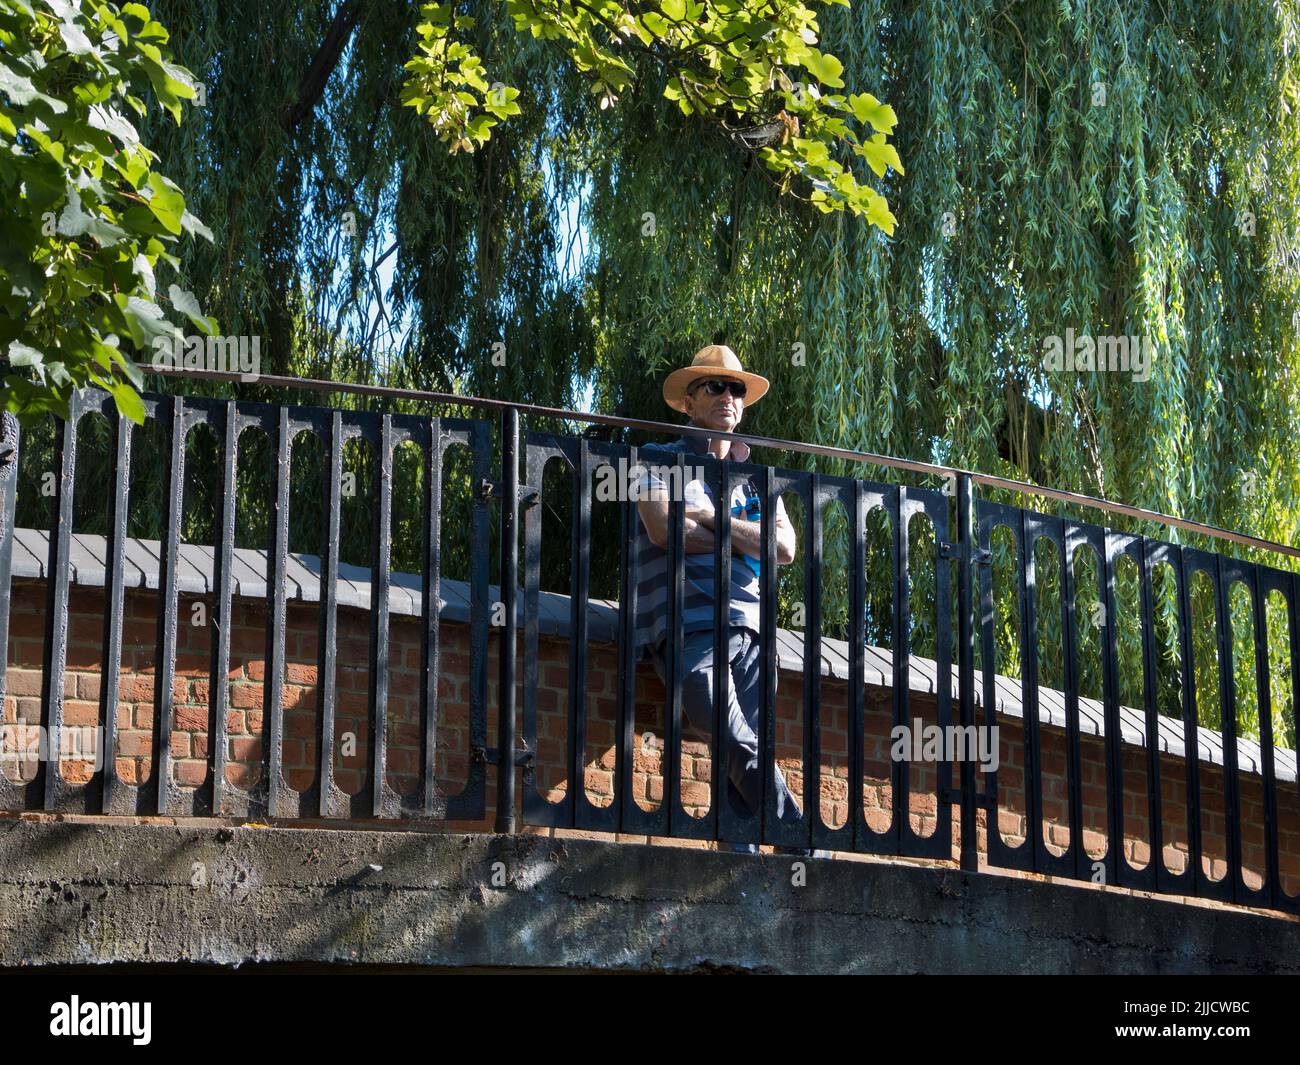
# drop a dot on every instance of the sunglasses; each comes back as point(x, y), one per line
point(716, 386)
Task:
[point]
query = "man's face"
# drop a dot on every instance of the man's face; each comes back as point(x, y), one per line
point(713, 412)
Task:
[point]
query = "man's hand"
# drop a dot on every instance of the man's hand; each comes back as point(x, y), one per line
point(701, 510)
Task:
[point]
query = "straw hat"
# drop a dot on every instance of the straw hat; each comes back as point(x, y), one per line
point(717, 360)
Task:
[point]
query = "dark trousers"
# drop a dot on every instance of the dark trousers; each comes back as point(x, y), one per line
point(741, 716)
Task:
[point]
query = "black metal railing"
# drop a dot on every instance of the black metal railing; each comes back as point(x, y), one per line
point(964, 650)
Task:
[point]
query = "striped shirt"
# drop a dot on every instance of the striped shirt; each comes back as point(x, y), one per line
point(698, 594)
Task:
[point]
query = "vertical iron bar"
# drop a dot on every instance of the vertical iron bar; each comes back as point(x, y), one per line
point(58, 579)
point(580, 583)
point(1228, 730)
point(1191, 754)
point(471, 801)
point(383, 799)
point(966, 665)
point(536, 807)
point(1115, 865)
point(718, 790)
point(984, 623)
point(329, 799)
point(857, 665)
point(1028, 537)
point(165, 662)
point(1151, 701)
point(1292, 601)
point(899, 767)
point(730, 824)
point(505, 818)
point(671, 766)
point(10, 439)
point(767, 622)
point(430, 591)
point(939, 842)
point(273, 687)
point(1076, 856)
point(627, 649)
point(812, 662)
point(223, 620)
point(111, 670)
point(1264, 700)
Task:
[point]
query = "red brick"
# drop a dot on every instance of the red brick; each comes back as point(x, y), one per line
point(134, 744)
point(246, 696)
point(76, 772)
point(135, 689)
point(300, 673)
point(245, 750)
point(191, 719)
point(25, 682)
point(77, 712)
point(242, 776)
point(600, 782)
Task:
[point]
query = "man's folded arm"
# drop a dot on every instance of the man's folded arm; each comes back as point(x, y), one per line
point(654, 515)
point(747, 538)
point(699, 518)
point(652, 505)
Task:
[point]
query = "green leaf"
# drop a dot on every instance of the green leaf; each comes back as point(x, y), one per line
point(166, 203)
point(879, 155)
point(128, 401)
point(825, 68)
point(75, 39)
point(76, 222)
point(171, 84)
point(21, 91)
point(189, 306)
point(64, 9)
point(880, 215)
point(113, 122)
point(812, 152)
point(867, 109)
point(655, 23)
point(117, 357)
point(145, 321)
point(21, 354)
point(143, 269)
point(194, 227)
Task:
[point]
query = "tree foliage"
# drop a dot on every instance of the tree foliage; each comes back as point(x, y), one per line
point(1122, 169)
point(88, 218)
point(751, 67)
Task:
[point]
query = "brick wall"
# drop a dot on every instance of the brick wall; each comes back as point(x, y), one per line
point(246, 726)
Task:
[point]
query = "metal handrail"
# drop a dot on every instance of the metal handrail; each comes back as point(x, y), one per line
point(964, 540)
point(826, 451)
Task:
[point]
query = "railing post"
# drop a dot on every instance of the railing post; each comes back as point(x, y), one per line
point(9, 440)
point(505, 821)
point(966, 545)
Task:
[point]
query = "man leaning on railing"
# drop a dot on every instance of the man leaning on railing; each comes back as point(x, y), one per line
point(712, 392)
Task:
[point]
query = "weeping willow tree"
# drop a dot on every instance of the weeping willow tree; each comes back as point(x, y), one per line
point(1072, 169)
point(1108, 170)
